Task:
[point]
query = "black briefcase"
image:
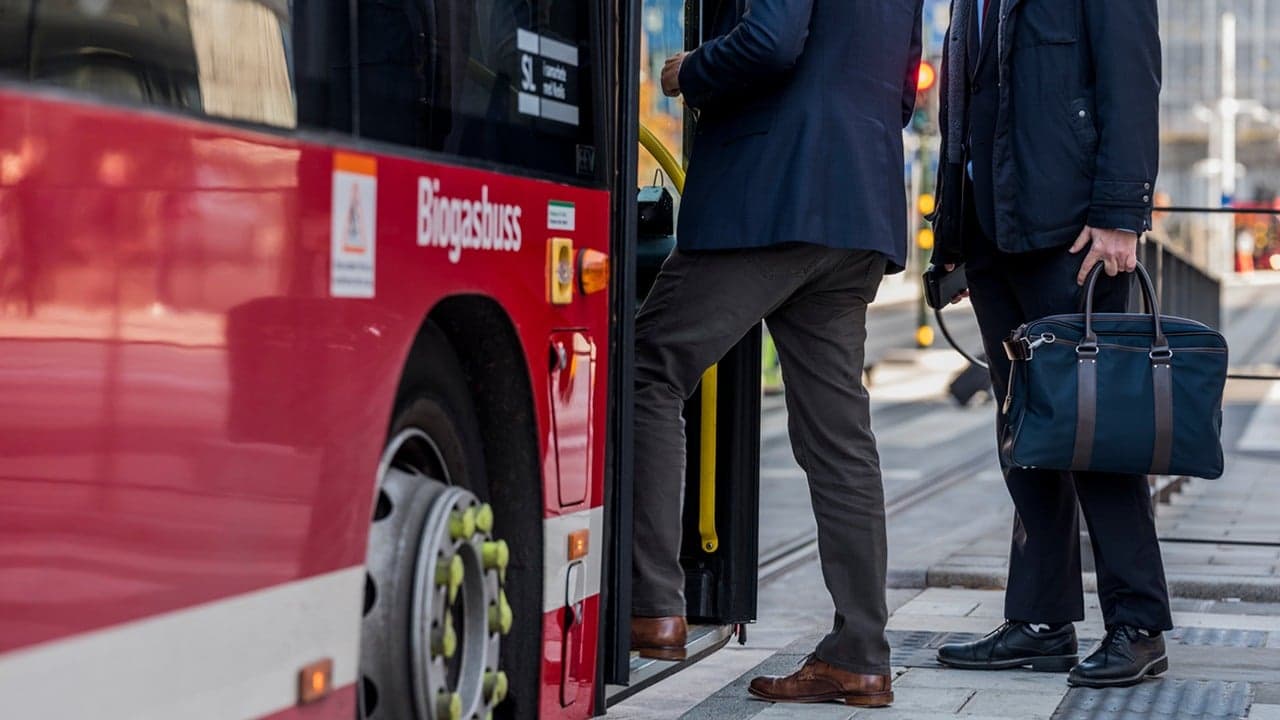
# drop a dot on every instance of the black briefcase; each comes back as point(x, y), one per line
point(1116, 392)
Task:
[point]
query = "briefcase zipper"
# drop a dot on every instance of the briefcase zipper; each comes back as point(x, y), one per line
point(1050, 339)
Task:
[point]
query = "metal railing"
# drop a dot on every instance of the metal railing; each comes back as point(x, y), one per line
point(1182, 287)
point(1190, 252)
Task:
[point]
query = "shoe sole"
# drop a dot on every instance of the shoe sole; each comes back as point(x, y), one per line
point(1154, 668)
point(869, 700)
point(1044, 663)
point(673, 654)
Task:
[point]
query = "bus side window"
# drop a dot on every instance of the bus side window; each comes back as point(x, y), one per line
point(505, 81)
point(322, 63)
point(230, 59)
point(395, 70)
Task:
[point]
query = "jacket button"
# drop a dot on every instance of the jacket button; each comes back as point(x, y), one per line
point(1146, 198)
point(1146, 186)
point(1084, 114)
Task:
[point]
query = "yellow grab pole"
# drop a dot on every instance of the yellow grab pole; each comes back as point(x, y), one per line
point(710, 541)
point(666, 160)
point(707, 468)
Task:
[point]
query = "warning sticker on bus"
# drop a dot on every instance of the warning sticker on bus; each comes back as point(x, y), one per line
point(548, 78)
point(561, 215)
point(353, 230)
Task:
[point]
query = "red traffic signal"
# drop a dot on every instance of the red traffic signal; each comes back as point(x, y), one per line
point(927, 77)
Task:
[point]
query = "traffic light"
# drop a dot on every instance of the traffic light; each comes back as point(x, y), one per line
point(927, 77)
point(925, 118)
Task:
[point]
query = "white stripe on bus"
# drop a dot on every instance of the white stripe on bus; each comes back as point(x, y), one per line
point(555, 554)
point(235, 657)
point(232, 658)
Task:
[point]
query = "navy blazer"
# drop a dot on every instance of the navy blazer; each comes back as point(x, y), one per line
point(801, 105)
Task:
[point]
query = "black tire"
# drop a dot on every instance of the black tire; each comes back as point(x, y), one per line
point(439, 404)
point(436, 400)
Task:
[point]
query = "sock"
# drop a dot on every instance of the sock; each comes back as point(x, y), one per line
point(1046, 627)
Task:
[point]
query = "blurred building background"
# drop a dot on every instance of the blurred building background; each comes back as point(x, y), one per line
point(1193, 86)
point(662, 35)
point(1220, 127)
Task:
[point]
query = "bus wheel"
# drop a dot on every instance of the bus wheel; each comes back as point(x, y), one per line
point(435, 609)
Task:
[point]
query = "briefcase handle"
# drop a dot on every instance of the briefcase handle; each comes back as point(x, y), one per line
point(1089, 346)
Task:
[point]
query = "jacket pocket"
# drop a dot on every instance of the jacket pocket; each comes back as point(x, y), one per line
point(756, 122)
point(1047, 22)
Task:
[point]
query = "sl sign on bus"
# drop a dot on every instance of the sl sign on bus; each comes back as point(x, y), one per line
point(548, 78)
point(352, 240)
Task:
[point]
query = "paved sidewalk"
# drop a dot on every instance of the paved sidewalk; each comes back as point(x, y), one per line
point(1220, 538)
point(1224, 665)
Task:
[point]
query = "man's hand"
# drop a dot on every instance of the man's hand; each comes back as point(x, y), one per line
point(1117, 250)
point(671, 75)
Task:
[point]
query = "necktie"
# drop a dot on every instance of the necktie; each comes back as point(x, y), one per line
point(986, 7)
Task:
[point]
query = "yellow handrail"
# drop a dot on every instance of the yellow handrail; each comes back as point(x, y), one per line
point(666, 160)
point(710, 379)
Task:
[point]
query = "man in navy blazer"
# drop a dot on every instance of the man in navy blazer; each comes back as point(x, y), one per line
point(794, 210)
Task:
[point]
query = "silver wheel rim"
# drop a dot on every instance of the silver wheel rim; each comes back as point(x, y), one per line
point(477, 648)
point(448, 679)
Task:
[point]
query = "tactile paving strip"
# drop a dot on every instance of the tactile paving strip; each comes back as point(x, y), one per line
point(919, 648)
point(1217, 637)
point(1163, 699)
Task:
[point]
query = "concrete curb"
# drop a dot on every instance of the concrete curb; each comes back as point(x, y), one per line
point(1181, 585)
point(908, 578)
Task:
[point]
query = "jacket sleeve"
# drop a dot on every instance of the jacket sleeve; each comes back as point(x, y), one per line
point(766, 42)
point(1124, 38)
point(912, 82)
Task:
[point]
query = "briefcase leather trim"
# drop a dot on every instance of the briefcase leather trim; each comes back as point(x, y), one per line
point(1162, 384)
point(1086, 408)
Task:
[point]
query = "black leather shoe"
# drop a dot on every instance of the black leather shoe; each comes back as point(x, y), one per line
point(1015, 645)
point(1125, 657)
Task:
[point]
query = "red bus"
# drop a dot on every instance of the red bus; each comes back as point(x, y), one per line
point(314, 362)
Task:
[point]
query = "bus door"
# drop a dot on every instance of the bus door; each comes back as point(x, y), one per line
point(722, 419)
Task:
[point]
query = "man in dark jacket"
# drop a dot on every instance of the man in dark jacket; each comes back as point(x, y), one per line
point(793, 212)
point(1050, 122)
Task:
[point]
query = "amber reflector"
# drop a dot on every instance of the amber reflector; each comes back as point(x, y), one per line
point(314, 681)
point(579, 544)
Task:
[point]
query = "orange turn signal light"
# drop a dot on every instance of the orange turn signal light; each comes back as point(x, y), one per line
point(593, 271)
point(314, 681)
point(579, 544)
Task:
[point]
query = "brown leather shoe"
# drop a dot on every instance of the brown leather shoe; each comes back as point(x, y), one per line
point(659, 638)
point(817, 682)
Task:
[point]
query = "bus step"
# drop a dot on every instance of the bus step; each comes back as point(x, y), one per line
point(703, 640)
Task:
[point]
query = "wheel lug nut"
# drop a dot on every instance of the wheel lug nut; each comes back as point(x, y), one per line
point(462, 524)
point(495, 686)
point(495, 555)
point(445, 642)
point(500, 615)
point(484, 518)
point(449, 575)
point(449, 706)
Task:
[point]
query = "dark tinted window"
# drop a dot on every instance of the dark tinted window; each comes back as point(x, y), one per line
point(509, 81)
point(256, 61)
